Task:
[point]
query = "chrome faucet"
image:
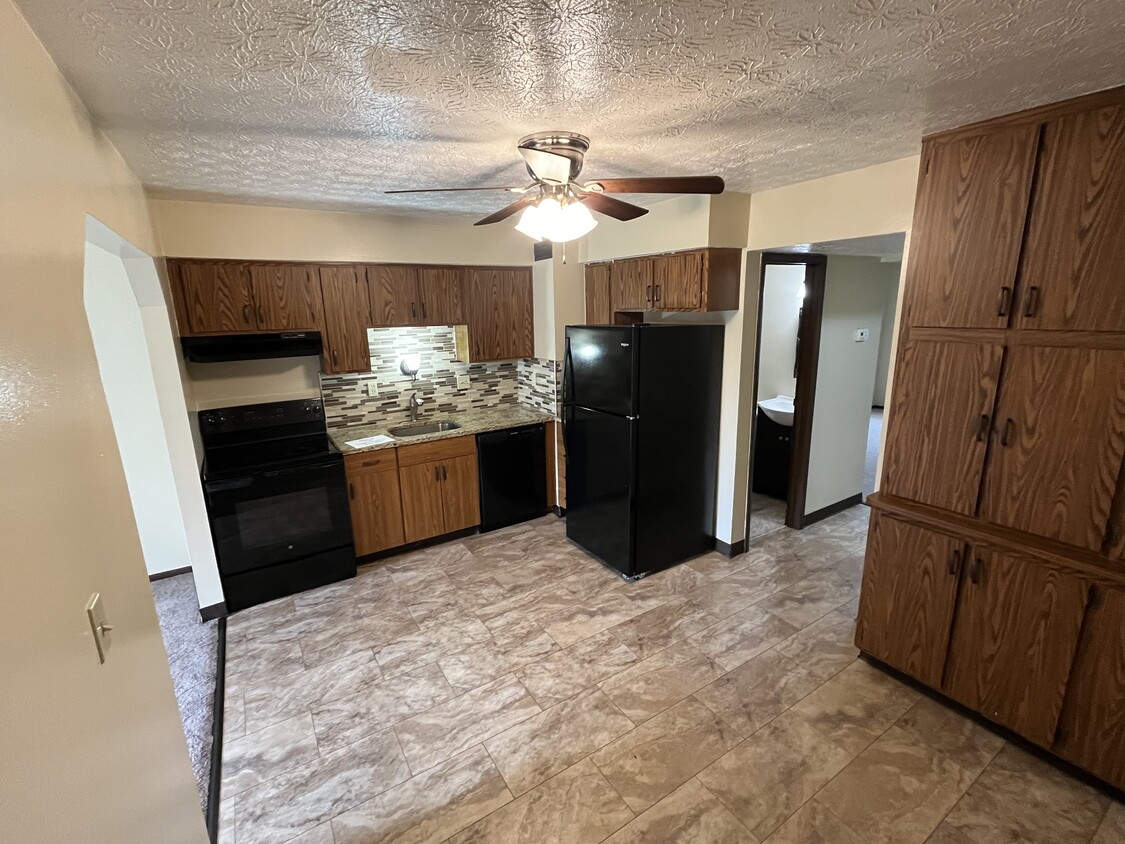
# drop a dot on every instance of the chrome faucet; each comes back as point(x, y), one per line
point(415, 403)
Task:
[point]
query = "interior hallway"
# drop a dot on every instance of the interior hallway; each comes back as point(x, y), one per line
point(506, 687)
point(874, 436)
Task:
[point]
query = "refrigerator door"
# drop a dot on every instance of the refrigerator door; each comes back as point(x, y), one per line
point(600, 368)
point(599, 484)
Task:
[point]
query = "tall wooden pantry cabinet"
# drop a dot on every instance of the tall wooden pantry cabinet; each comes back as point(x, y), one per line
point(995, 568)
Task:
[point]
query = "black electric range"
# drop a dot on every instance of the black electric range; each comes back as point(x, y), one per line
point(277, 500)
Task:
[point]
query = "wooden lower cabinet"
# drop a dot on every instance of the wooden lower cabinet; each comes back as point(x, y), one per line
point(909, 590)
point(1017, 629)
point(1091, 730)
point(422, 510)
point(376, 501)
point(460, 493)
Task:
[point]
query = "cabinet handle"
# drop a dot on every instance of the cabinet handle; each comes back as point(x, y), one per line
point(351, 491)
point(437, 473)
point(1004, 302)
point(370, 463)
point(1031, 305)
point(444, 473)
point(975, 570)
point(982, 427)
point(261, 318)
point(658, 293)
point(413, 312)
point(1009, 429)
point(246, 314)
point(955, 562)
point(423, 310)
point(648, 294)
point(335, 360)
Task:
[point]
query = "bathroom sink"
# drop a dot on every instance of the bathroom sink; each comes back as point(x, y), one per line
point(779, 409)
point(425, 428)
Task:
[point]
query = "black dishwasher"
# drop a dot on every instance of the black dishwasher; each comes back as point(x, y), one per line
point(513, 476)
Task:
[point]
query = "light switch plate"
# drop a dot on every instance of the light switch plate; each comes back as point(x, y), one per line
point(463, 381)
point(99, 627)
point(861, 335)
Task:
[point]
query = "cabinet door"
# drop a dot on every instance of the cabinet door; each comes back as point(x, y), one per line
point(460, 492)
point(906, 603)
point(1092, 726)
point(941, 410)
point(394, 295)
point(1071, 274)
point(286, 297)
point(422, 515)
point(968, 224)
point(1014, 640)
point(500, 317)
point(376, 504)
point(439, 294)
point(632, 284)
point(599, 310)
point(345, 320)
point(1060, 437)
point(677, 281)
point(216, 297)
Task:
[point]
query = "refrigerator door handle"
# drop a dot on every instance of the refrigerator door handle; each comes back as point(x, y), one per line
point(568, 373)
point(632, 418)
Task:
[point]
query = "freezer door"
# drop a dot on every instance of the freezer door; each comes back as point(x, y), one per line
point(599, 484)
point(600, 367)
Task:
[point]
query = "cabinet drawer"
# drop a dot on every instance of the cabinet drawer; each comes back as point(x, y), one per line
point(371, 461)
point(410, 455)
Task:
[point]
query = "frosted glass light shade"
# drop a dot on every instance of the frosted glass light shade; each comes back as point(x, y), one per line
point(550, 220)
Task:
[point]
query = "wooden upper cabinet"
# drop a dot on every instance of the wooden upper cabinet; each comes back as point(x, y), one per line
point(215, 297)
point(460, 492)
point(599, 308)
point(439, 294)
point(677, 281)
point(632, 284)
point(909, 590)
point(1092, 726)
point(500, 314)
point(1014, 641)
point(286, 297)
point(394, 295)
point(1059, 441)
point(968, 226)
point(345, 319)
point(940, 418)
point(1073, 269)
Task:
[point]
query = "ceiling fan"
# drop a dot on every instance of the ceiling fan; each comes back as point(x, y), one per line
point(556, 206)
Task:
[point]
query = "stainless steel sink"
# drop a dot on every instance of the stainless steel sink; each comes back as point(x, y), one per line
point(427, 428)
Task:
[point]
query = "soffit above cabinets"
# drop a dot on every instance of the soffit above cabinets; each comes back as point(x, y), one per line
point(328, 103)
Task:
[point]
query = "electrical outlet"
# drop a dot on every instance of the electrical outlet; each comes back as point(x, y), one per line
point(463, 381)
point(372, 389)
point(861, 335)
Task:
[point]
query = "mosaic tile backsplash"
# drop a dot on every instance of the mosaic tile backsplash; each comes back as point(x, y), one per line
point(381, 396)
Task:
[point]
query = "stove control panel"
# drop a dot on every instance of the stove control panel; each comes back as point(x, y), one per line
point(251, 417)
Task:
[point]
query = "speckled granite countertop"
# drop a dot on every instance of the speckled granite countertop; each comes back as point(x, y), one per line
point(471, 421)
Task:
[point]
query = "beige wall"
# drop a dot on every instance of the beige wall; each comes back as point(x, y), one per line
point(781, 307)
point(227, 230)
point(854, 298)
point(874, 200)
point(90, 752)
point(887, 333)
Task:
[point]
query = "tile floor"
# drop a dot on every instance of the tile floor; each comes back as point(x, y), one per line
point(766, 515)
point(507, 688)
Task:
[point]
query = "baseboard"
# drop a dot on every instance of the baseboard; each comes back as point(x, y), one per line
point(163, 575)
point(218, 707)
point(830, 510)
point(210, 613)
point(1004, 733)
point(730, 549)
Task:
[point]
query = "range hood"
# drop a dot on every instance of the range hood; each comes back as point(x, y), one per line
point(251, 346)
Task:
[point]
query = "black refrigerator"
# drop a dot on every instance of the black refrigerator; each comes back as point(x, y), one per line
point(641, 427)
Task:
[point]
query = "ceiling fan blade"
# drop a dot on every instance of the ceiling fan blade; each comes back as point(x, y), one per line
point(442, 190)
point(669, 184)
point(506, 212)
point(551, 168)
point(613, 207)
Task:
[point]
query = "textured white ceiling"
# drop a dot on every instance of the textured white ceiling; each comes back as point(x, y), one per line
point(330, 102)
point(871, 246)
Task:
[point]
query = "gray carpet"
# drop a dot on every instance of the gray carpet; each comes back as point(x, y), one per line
point(874, 431)
point(192, 656)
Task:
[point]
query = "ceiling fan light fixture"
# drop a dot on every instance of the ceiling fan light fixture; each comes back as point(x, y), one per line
point(552, 220)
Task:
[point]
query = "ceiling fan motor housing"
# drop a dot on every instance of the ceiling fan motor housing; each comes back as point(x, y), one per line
point(570, 145)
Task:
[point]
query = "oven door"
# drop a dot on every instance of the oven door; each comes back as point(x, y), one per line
point(278, 516)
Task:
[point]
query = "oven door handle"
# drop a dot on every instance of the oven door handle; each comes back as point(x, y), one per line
point(223, 486)
point(294, 470)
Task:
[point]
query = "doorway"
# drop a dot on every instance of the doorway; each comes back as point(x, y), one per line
point(826, 322)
